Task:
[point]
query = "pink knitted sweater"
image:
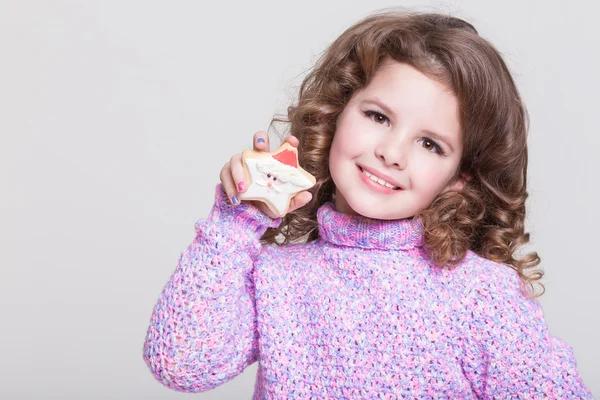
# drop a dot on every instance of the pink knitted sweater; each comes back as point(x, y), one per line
point(359, 313)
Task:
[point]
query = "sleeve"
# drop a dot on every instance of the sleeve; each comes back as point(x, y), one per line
point(202, 330)
point(508, 351)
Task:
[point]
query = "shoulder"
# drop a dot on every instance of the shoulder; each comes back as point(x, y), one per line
point(495, 289)
point(486, 278)
point(290, 252)
point(280, 265)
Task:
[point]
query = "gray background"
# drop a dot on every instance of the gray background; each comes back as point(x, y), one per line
point(116, 117)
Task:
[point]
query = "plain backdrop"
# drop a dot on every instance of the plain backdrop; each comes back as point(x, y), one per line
point(117, 116)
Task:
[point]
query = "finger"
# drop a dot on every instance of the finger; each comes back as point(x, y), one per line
point(237, 173)
point(300, 200)
point(293, 140)
point(260, 141)
point(228, 185)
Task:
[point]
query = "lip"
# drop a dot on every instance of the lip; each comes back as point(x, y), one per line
point(381, 175)
point(374, 185)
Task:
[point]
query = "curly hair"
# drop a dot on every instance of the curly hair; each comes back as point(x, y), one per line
point(488, 215)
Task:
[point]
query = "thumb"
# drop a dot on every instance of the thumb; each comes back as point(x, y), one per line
point(300, 200)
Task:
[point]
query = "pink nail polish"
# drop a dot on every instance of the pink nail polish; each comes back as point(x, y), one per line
point(241, 186)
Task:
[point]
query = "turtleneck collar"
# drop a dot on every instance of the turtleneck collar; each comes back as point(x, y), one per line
point(359, 231)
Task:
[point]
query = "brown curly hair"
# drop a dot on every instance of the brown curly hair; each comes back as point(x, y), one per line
point(488, 215)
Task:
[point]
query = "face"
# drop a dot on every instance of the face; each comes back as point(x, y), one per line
point(397, 145)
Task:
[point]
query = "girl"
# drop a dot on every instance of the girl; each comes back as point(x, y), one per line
point(396, 275)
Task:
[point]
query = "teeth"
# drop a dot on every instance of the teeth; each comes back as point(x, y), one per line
point(378, 180)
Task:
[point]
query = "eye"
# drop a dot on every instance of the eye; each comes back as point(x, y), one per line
point(268, 175)
point(274, 178)
point(379, 117)
point(431, 146)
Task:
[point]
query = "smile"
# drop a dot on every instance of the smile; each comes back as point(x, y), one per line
point(379, 180)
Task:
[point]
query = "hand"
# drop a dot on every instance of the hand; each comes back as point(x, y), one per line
point(232, 177)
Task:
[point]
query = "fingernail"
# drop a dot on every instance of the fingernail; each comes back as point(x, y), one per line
point(260, 140)
point(241, 186)
point(234, 200)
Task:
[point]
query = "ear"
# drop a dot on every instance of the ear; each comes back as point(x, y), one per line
point(459, 182)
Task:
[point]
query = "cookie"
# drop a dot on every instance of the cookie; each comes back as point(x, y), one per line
point(274, 178)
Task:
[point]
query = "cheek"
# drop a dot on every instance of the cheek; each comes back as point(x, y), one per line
point(348, 144)
point(338, 151)
point(432, 177)
point(334, 161)
point(340, 156)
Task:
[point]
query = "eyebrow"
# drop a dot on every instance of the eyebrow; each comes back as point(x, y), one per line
point(389, 111)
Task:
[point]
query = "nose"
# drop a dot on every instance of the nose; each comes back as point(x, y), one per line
point(392, 153)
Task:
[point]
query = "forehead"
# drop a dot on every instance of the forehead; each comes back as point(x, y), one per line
point(404, 84)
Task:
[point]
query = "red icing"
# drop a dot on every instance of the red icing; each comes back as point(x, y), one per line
point(287, 157)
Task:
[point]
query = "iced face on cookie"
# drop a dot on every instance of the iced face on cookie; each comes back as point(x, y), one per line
point(275, 177)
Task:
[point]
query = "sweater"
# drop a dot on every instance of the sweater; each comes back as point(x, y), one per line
point(359, 313)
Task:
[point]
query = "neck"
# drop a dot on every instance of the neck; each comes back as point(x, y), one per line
point(354, 230)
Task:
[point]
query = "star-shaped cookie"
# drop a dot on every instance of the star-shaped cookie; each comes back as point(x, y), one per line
point(275, 177)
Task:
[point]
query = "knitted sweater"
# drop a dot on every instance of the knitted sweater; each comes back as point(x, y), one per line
point(360, 313)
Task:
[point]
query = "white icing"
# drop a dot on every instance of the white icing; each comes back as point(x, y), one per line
point(289, 182)
point(285, 173)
